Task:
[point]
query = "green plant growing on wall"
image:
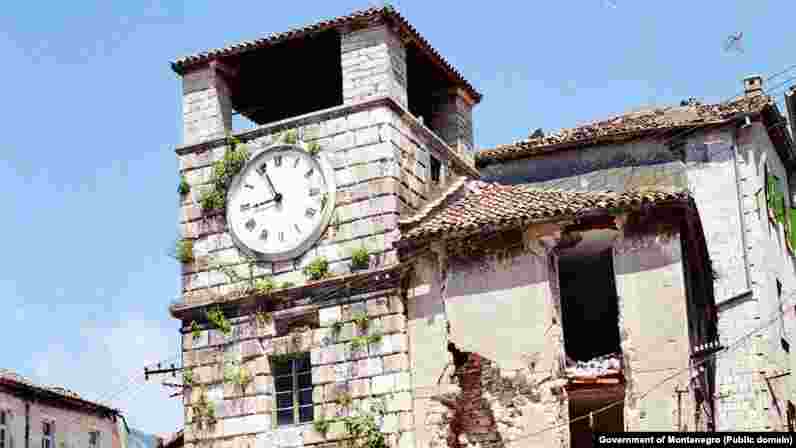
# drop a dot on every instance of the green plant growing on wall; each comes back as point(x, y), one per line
point(286, 285)
point(360, 258)
point(290, 137)
point(264, 285)
point(321, 425)
point(224, 171)
point(203, 410)
point(187, 377)
point(360, 318)
point(184, 250)
point(344, 399)
point(364, 429)
point(211, 199)
point(184, 188)
point(317, 269)
point(217, 318)
point(196, 332)
point(361, 342)
point(313, 148)
point(262, 318)
point(337, 327)
point(237, 374)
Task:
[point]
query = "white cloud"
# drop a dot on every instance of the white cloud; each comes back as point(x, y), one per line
point(110, 369)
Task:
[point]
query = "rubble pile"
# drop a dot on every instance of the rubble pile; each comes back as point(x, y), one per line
point(604, 365)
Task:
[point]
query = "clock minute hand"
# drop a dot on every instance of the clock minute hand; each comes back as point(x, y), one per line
point(277, 196)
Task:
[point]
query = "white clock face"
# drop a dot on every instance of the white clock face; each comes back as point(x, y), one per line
point(280, 203)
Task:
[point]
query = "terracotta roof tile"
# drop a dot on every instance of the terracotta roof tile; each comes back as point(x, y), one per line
point(628, 126)
point(386, 12)
point(13, 377)
point(478, 204)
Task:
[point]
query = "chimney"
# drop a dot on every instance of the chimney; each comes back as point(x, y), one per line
point(753, 85)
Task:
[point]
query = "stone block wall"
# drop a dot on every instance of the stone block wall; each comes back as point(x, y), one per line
point(380, 162)
point(374, 64)
point(206, 106)
point(366, 172)
point(453, 119)
point(246, 415)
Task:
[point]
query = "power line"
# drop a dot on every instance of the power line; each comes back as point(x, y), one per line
point(727, 349)
point(723, 102)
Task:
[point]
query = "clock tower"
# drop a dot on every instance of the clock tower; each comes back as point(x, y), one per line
point(291, 288)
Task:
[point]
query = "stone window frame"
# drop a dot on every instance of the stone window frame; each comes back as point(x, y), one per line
point(295, 391)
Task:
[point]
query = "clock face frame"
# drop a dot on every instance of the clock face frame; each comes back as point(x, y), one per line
point(275, 209)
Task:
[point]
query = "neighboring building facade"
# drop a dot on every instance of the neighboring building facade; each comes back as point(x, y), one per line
point(736, 159)
point(353, 257)
point(33, 416)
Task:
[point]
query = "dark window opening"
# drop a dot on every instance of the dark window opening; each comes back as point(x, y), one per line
point(791, 411)
point(288, 79)
point(436, 168)
point(590, 312)
point(588, 416)
point(779, 289)
point(785, 345)
point(293, 390)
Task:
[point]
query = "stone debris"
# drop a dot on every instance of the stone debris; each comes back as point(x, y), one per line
point(610, 364)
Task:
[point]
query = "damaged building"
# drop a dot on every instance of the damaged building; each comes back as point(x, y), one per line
point(353, 267)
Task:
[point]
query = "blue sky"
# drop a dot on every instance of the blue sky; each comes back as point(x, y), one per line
point(91, 113)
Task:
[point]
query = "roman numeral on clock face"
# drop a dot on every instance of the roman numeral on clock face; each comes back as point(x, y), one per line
point(315, 191)
point(296, 163)
point(250, 224)
point(244, 207)
point(264, 235)
point(310, 212)
point(277, 160)
point(282, 236)
point(261, 169)
point(309, 172)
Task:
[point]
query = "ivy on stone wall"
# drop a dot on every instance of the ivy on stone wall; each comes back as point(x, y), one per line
point(235, 157)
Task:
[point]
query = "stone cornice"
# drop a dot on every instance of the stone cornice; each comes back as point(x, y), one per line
point(455, 157)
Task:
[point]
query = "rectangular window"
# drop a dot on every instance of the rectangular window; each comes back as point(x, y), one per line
point(47, 431)
point(93, 439)
point(293, 387)
point(436, 168)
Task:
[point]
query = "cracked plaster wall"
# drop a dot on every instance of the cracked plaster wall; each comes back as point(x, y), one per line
point(502, 311)
point(654, 329)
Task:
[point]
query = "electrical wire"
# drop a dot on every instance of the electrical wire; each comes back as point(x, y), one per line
point(640, 397)
point(723, 102)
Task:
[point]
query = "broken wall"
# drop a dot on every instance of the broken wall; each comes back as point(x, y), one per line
point(654, 327)
point(502, 312)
